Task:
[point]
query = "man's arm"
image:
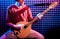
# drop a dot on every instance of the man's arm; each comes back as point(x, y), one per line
point(30, 17)
point(10, 24)
point(9, 18)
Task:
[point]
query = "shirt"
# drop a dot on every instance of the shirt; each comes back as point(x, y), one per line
point(14, 17)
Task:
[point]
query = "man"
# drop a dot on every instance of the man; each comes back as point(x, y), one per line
point(16, 13)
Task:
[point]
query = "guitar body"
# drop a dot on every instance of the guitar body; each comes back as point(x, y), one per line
point(24, 32)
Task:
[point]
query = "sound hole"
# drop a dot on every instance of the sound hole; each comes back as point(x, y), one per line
point(25, 27)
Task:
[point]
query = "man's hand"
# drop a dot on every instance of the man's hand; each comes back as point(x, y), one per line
point(39, 15)
point(19, 26)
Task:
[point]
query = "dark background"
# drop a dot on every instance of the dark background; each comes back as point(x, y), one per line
point(49, 25)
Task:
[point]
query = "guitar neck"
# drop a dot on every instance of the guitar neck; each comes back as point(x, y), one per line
point(45, 11)
point(36, 18)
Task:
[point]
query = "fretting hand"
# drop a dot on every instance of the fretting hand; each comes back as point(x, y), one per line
point(39, 15)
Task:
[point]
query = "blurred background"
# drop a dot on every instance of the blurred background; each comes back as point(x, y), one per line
point(49, 25)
